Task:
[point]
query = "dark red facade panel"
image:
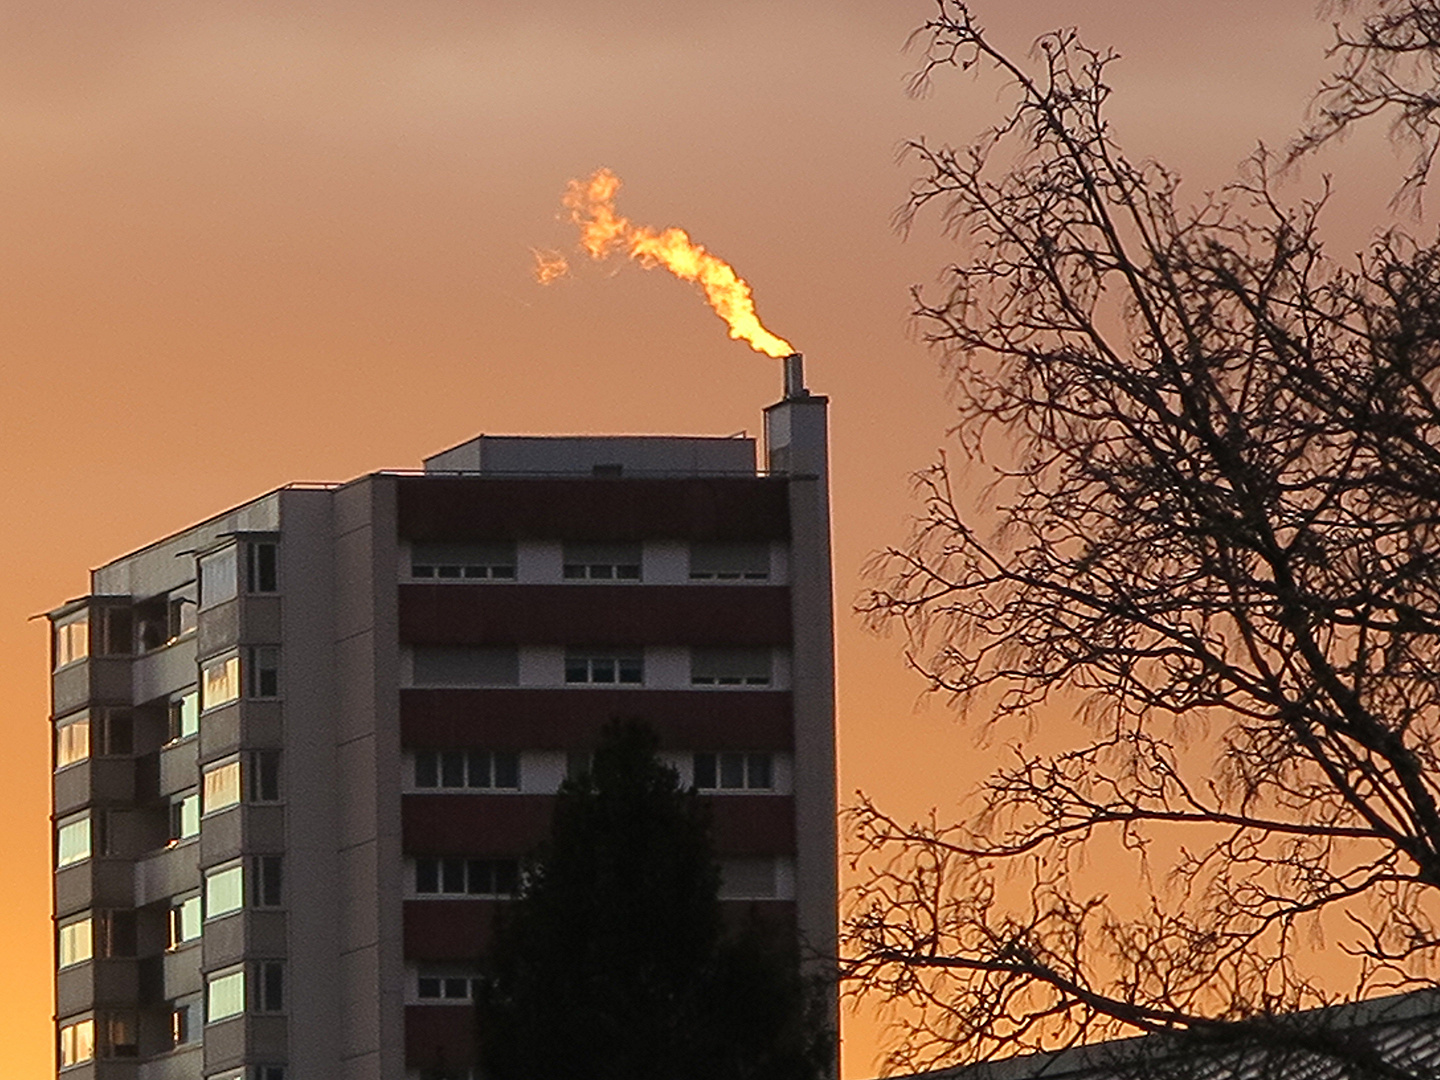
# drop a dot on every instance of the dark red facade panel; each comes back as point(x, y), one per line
point(449, 930)
point(516, 824)
point(538, 508)
point(475, 824)
point(752, 824)
point(440, 1037)
point(506, 719)
point(579, 614)
point(457, 931)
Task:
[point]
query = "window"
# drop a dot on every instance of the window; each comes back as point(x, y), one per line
point(77, 942)
point(73, 841)
point(602, 562)
point(164, 620)
point(219, 682)
point(268, 982)
point(748, 879)
point(115, 934)
point(179, 617)
point(72, 640)
point(262, 671)
point(218, 577)
point(469, 562)
point(121, 1035)
point(467, 877)
point(267, 881)
point(604, 667)
point(729, 667)
point(185, 1022)
point(730, 562)
point(484, 770)
point(116, 635)
point(444, 665)
point(225, 995)
point(184, 816)
point(734, 772)
point(184, 920)
point(443, 986)
point(184, 716)
point(112, 733)
point(222, 787)
point(224, 891)
point(77, 1043)
point(262, 568)
point(72, 740)
point(263, 772)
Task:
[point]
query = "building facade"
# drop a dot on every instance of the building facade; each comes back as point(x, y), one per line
point(302, 748)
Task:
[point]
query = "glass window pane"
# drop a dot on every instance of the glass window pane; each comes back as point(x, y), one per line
point(219, 575)
point(77, 942)
point(220, 682)
point(74, 842)
point(224, 892)
point(452, 875)
point(758, 772)
point(222, 787)
point(732, 770)
point(705, 771)
point(427, 769)
point(184, 921)
point(72, 640)
point(427, 875)
point(72, 742)
point(507, 770)
point(77, 1042)
point(479, 776)
point(452, 769)
point(225, 996)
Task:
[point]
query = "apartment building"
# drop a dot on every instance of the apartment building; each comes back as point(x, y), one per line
point(302, 748)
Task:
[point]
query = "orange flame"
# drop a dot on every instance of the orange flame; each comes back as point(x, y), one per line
point(549, 265)
point(592, 207)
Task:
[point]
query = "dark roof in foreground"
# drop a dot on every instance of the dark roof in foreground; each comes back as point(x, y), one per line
point(1400, 1034)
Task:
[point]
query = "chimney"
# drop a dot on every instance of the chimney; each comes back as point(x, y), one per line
point(795, 377)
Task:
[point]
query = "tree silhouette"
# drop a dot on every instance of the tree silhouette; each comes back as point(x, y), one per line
point(615, 962)
point(1212, 457)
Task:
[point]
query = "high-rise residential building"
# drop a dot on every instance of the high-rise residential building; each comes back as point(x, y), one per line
point(302, 748)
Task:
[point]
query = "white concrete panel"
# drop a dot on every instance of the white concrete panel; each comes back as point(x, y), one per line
point(541, 771)
point(667, 667)
point(666, 562)
point(539, 562)
point(542, 665)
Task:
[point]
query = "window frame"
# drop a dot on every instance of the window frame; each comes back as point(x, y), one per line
point(211, 884)
point(231, 680)
point(233, 977)
point(227, 779)
point(88, 948)
point(589, 662)
point(440, 758)
point(66, 724)
point(67, 646)
point(64, 827)
point(229, 588)
point(69, 1057)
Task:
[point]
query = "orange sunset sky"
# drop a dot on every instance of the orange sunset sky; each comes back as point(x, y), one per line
point(248, 243)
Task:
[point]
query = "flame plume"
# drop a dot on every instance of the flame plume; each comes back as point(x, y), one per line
point(602, 230)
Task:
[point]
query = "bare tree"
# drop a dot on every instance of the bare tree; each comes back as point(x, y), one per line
point(1388, 65)
point(1211, 547)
